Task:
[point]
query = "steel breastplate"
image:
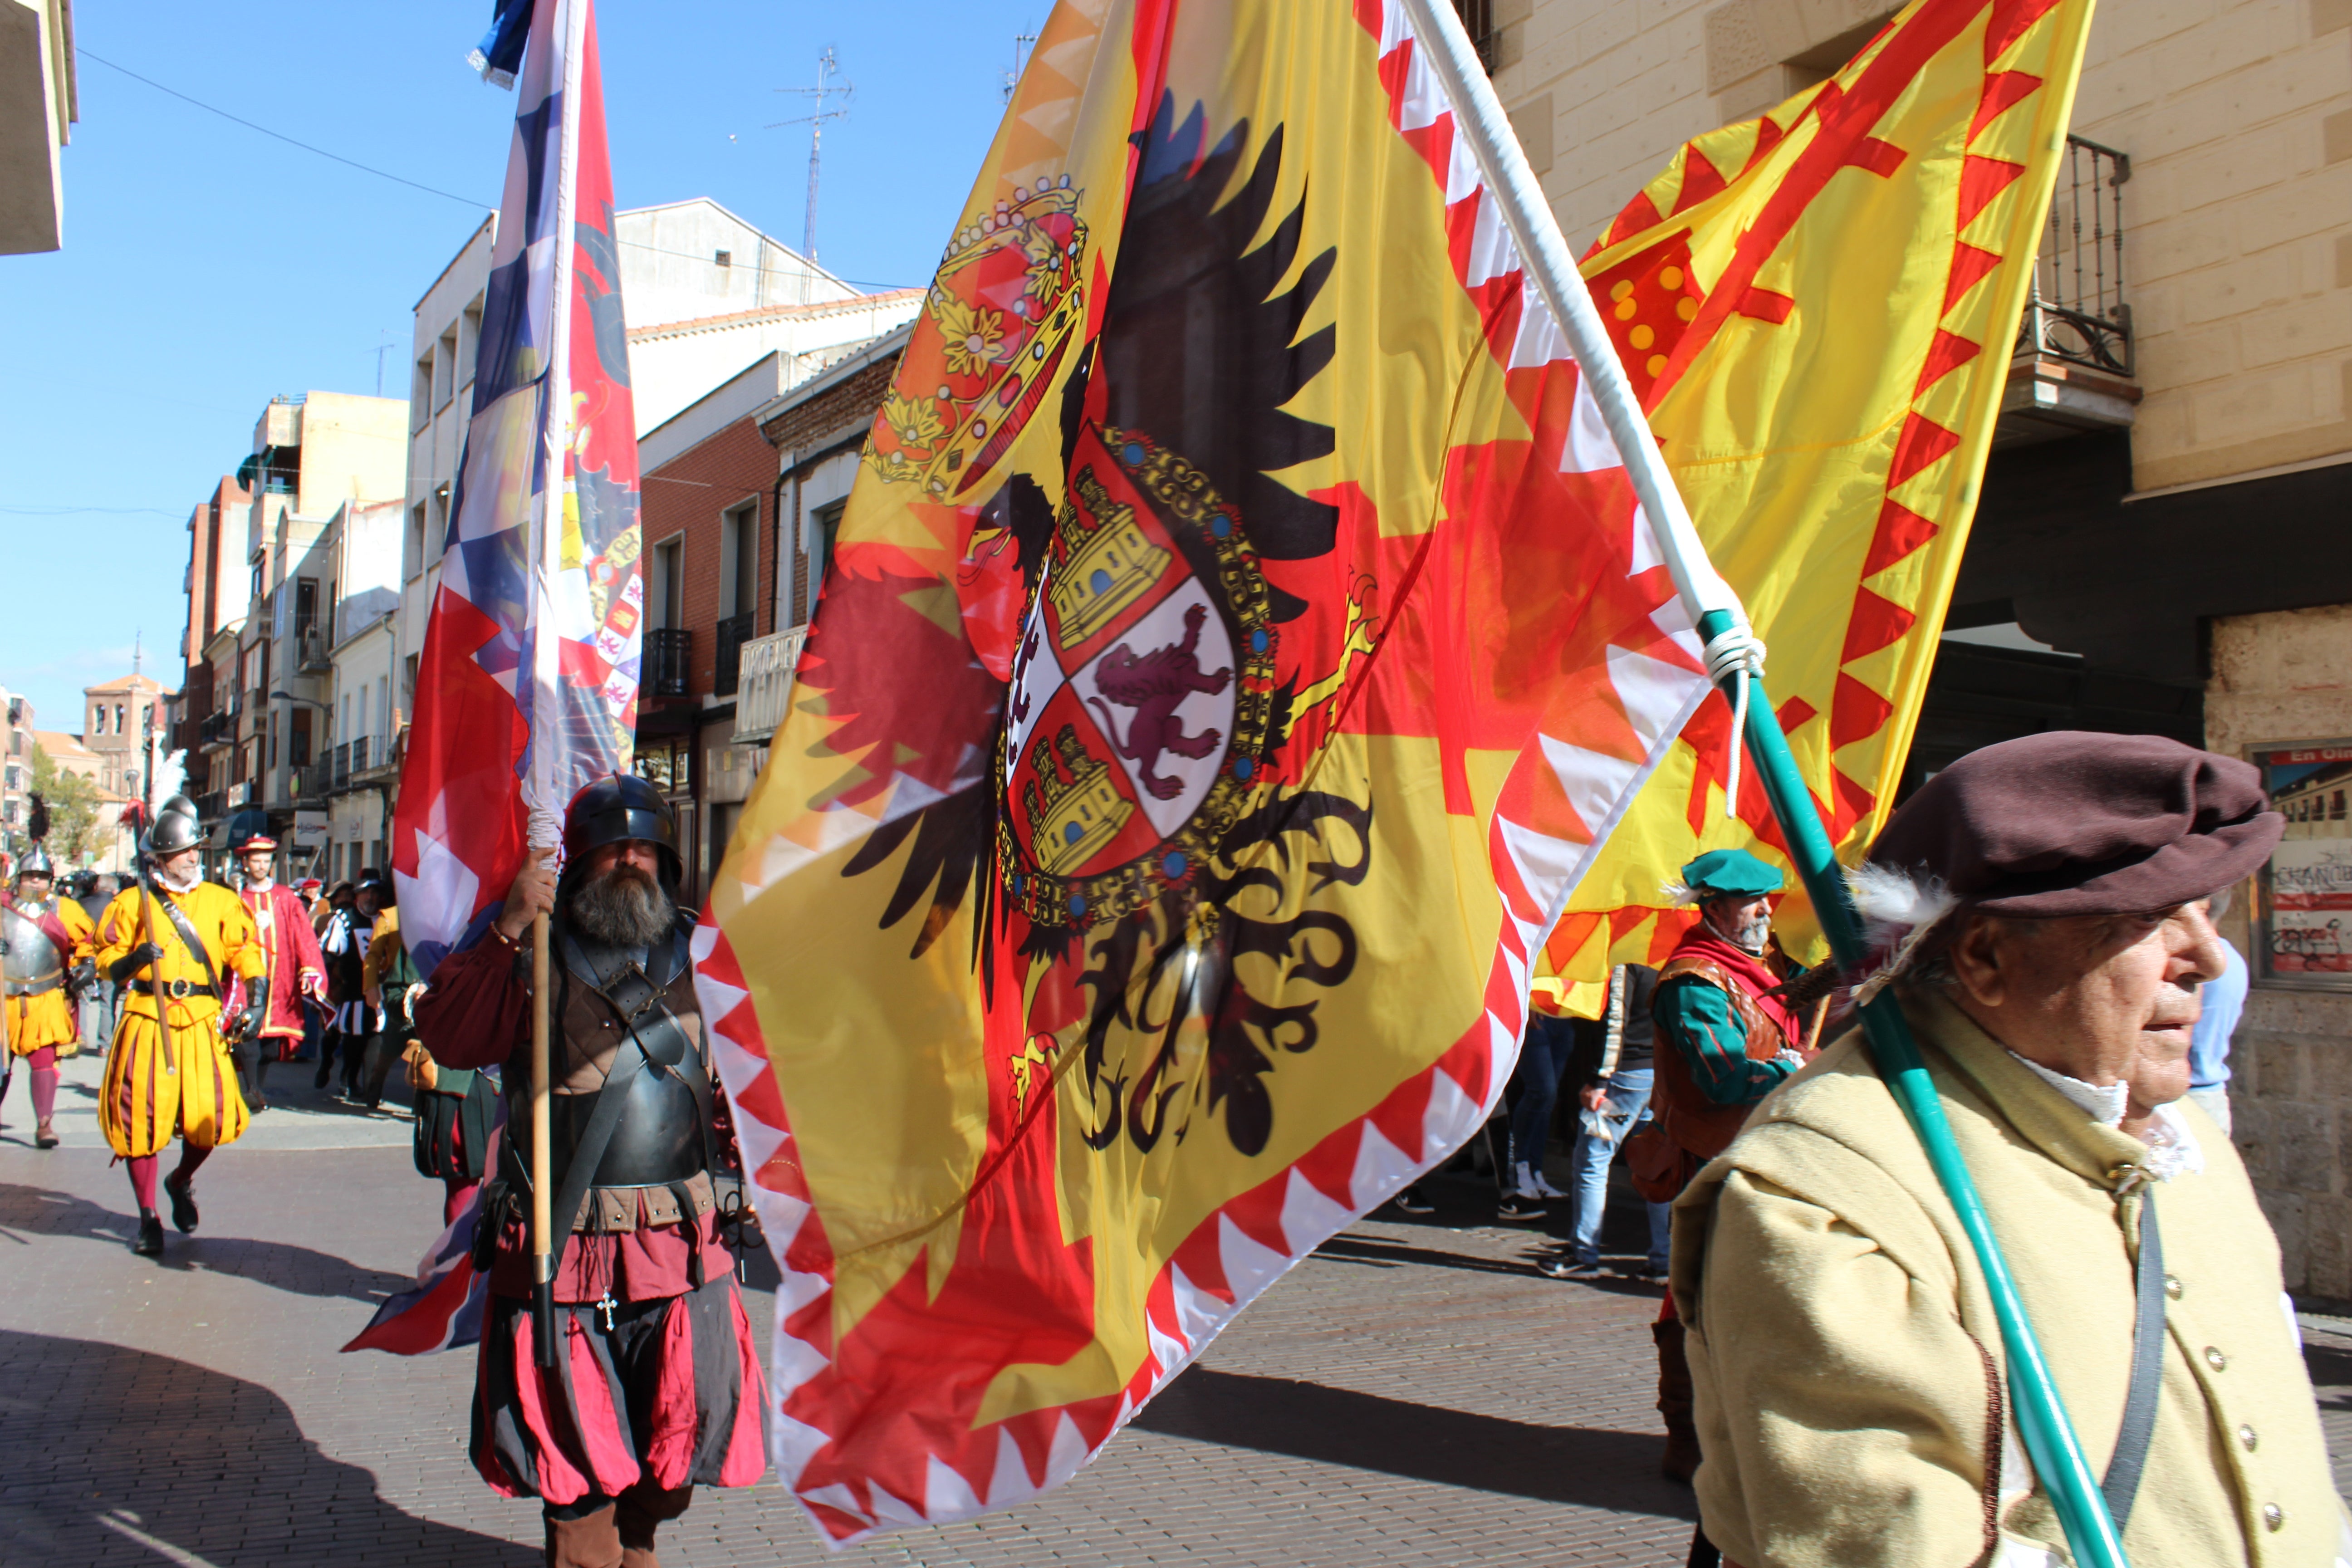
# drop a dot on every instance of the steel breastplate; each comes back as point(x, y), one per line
point(31, 956)
point(660, 1136)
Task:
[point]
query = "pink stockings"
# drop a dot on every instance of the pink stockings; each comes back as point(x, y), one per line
point(142, 1172)
point(43, 1064)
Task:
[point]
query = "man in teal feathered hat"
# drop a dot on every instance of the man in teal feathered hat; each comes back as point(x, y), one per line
point(1727, 1035)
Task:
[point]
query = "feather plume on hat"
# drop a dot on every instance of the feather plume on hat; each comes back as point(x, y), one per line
point(1899, 911)
point(36, 822)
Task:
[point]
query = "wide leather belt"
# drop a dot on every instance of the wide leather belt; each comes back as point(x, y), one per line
point(41, 987)
point(177, 990)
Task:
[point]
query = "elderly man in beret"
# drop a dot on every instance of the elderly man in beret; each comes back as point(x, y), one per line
point(2043, 911)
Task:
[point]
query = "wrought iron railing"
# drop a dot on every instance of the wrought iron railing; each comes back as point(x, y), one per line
point(2075, 312)
point(668, 653)
point(733, 633)
point(310, 648)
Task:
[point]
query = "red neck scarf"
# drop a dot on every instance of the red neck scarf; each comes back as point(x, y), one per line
point(1702, 941)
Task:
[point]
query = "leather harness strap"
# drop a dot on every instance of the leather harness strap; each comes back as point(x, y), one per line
point(2122, 1483)
point(188, 934)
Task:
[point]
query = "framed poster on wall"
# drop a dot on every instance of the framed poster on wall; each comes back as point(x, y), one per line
point(2302, 915)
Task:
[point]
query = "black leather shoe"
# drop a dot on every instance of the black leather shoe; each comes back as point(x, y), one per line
point(151, 1235)
point(183, 1204)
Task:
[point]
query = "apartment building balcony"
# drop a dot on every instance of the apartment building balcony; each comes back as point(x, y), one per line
point(2072, 369)
point(310, 649)
point(764, 692)
point(669, 661)
point(377, 763)
point(733, 633)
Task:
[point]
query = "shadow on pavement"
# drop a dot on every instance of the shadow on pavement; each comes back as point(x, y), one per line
point(276, 1264)
point(1592, 1468)
point(146, 1451)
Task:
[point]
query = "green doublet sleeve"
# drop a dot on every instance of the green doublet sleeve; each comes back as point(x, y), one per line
point(1698, 1018)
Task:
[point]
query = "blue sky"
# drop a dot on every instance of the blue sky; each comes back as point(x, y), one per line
point(207, 267)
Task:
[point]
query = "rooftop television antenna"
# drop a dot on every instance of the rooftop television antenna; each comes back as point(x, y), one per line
point(826, 68)
point(1022, 44)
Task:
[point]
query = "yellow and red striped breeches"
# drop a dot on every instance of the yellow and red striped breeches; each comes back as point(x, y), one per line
point(153, 1090)
point(37, 1021)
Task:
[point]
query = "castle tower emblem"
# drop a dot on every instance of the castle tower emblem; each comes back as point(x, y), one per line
point(1106, 563)
point(1071, 804)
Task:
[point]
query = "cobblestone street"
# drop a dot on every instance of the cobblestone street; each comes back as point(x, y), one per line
point(1411, 1394)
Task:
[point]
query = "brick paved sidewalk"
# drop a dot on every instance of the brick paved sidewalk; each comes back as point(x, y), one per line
point(1412, 1394)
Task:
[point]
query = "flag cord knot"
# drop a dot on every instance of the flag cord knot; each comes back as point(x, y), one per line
point(1734, 654)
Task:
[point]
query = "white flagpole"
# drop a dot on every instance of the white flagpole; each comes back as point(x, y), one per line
point(569, 28)
point(1547, 263)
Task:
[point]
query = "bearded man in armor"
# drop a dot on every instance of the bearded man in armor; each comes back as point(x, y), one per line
point(295, 969)
point(172, 941)
point(657, 1387)
point(46, 968)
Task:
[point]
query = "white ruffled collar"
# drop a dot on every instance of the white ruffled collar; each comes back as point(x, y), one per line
point(2172, 1148)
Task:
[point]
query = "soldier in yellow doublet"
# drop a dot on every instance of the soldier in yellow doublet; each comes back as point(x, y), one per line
point(45, 956)
point(47, 1019)
point(170, 1070)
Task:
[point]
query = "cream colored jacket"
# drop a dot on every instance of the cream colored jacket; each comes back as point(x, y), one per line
point(1851, 1402)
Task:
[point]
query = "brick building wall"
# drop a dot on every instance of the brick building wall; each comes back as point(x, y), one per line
point(686, 500)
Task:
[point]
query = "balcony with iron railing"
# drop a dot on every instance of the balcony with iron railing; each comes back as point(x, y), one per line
point(668, 655)
point(2072, 368)
point(764, 694)
point(311, 655)
point(732, 634)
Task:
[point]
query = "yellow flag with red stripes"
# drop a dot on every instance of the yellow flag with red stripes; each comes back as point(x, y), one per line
point(1816, 308)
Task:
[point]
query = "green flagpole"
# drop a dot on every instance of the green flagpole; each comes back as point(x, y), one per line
point(1734, 662)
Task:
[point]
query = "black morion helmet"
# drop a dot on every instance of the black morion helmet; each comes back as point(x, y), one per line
point(615, 810)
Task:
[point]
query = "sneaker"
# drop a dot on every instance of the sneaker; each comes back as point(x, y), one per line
point(1545, 1189)
point(183, 1195)
point(1563, 1266)
point(1517, 1210)
point(45, 1136)
point(1409, 1201)
point(1525, 1183)
point(151, 1235)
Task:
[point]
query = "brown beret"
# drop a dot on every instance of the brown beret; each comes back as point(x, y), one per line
point(2071, 823)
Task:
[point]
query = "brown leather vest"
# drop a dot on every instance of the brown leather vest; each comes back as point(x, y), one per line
point(1684, 1113)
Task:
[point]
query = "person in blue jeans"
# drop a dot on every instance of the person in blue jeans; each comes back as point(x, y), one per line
point(1615, 1099)
point(1544, 1055)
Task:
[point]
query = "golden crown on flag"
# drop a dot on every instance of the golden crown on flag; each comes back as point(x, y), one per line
point(1002, 311)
